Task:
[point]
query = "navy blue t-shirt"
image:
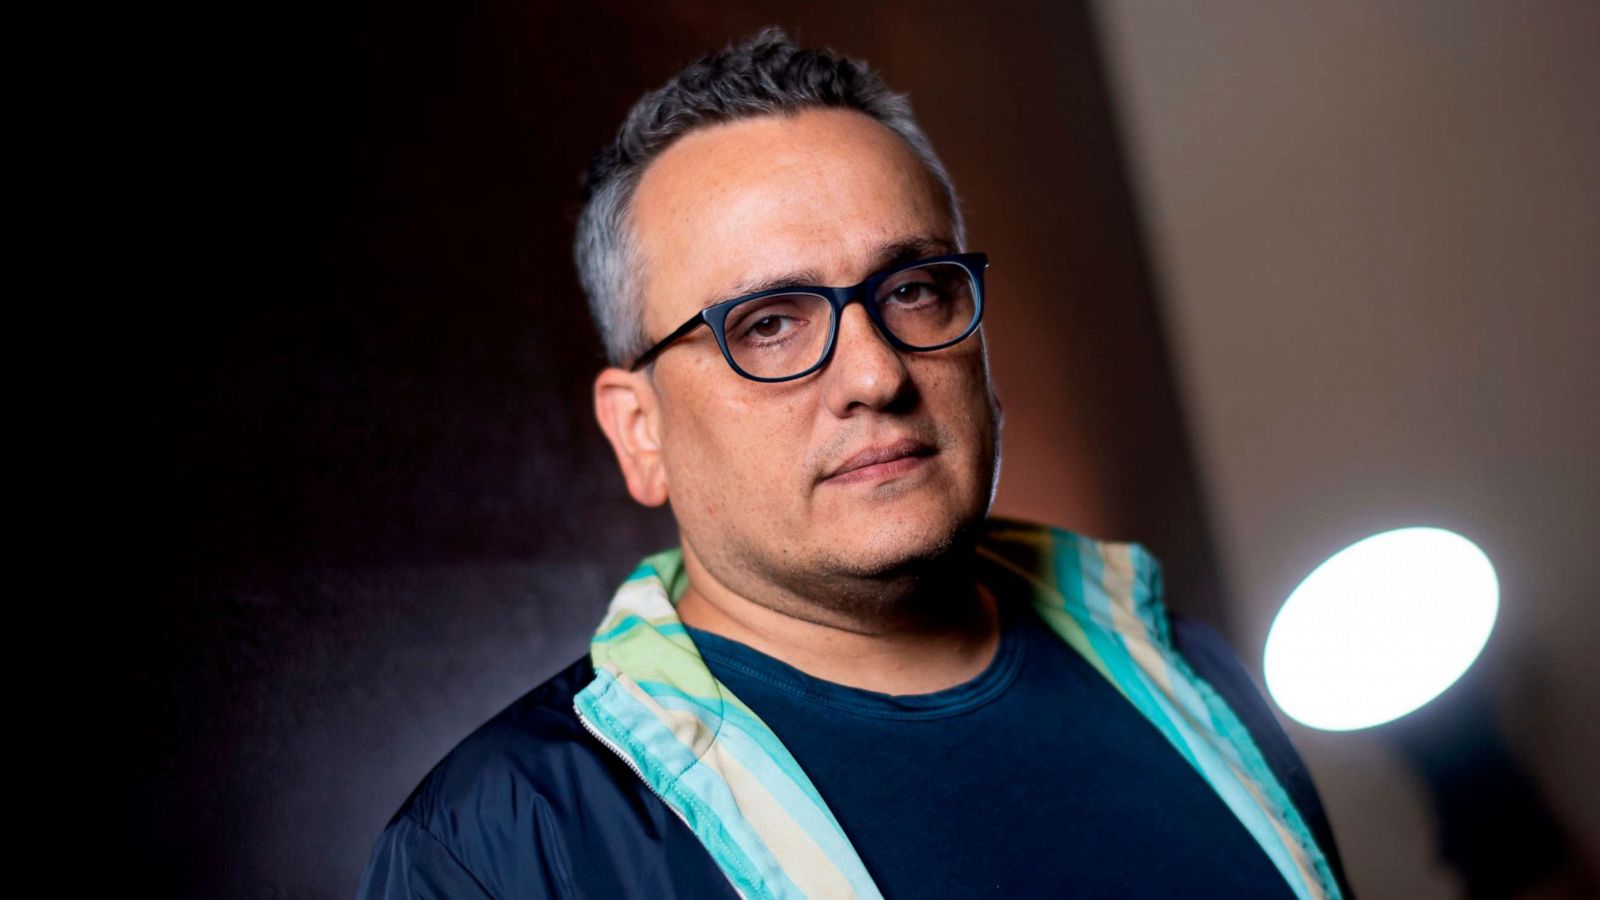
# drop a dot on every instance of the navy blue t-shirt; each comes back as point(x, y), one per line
point(1034, 779)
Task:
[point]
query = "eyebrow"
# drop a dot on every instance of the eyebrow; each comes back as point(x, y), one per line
point(888, 254)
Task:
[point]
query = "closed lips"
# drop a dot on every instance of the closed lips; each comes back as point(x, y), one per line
point(873, 456)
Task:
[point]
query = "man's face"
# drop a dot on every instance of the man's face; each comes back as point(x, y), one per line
point(755, 471)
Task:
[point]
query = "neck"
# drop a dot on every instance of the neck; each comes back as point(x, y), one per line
point(923, 635)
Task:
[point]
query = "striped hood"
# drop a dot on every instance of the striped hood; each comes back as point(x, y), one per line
point(724, 772)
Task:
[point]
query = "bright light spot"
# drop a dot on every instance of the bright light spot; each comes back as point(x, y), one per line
point(1382, 627)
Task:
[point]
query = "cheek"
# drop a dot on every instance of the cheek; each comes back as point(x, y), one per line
point(958, 385)
point(960, 394)
point(734, 457)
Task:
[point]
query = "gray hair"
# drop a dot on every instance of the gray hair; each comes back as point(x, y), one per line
point(765, 74)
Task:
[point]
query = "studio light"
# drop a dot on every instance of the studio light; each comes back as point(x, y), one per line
point(1380, 628)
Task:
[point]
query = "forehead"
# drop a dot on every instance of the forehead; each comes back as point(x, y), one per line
point(817, 192)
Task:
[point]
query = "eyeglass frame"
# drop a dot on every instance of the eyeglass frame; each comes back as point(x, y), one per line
point(715, 316)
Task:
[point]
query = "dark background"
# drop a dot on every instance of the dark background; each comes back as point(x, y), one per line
point(369, 506)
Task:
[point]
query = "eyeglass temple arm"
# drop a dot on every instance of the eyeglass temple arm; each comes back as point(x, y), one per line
point(645, 357)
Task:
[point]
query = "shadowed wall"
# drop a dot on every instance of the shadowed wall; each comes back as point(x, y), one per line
point(1376, 227)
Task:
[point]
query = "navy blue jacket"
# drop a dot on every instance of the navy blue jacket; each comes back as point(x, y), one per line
point(531, 805)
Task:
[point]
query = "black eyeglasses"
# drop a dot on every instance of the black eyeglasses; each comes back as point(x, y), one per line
point(787, 333)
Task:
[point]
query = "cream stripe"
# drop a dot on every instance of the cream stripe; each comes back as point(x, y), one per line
point(1287, 838)
point(1118, 582)
point(645, 599)
point(684, 725)
point(798, 855)
point(1308, 874)
point(1128, 625)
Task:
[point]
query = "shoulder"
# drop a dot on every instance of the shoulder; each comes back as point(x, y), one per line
point(498, 809)
point(530, 804)
point(530, 744)
point(1210, 656)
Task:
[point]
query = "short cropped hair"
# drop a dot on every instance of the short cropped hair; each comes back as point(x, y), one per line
point(765, 74)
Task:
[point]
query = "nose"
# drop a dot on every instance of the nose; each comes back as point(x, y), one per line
point(866, 372)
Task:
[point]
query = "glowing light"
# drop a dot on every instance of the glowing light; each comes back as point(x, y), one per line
point(1380, 628)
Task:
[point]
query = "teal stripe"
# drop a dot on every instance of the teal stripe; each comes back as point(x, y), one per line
point(632, 620)
point(709, 788)
point(1139, 687)
point(1208, 760)
point(1091, 585)
point(694, 790)
point(598, 704)
point(1066, 573)
point(1128, 677)
point(800, 799)
point(750, 725)
point(782, 778)
point(1147, 594)
point(1109, 649)
point(1227, 724)
point(1188, 698)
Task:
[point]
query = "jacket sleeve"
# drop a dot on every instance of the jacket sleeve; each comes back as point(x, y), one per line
point(409, 862)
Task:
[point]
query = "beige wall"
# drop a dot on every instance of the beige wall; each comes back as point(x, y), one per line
point(1377, 232)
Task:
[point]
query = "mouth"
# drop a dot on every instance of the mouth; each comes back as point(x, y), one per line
point(881, 462)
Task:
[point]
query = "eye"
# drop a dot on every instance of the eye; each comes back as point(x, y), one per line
point(774, 319)
point(919, 292)
point(909, 292)
point(770, 326)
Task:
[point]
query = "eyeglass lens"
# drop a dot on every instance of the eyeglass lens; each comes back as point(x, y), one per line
point(786, 334)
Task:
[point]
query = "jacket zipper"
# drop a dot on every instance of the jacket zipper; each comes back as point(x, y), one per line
point(628, 761)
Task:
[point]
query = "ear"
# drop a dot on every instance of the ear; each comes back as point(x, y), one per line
point(629, 412)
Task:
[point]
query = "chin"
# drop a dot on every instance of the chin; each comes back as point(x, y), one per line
point(899, 543)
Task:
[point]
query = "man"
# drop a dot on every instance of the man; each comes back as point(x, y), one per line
point(848, 681)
